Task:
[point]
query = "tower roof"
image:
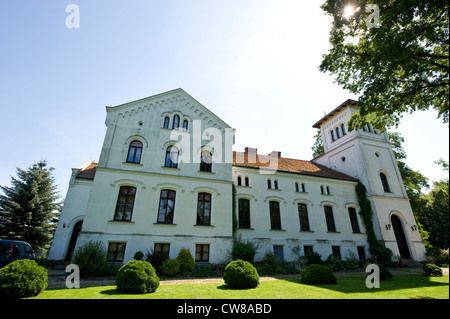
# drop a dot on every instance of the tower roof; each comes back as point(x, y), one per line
point(340, 107)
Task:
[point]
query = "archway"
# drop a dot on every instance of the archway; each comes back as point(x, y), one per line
point(73, 240)
point(400, 237)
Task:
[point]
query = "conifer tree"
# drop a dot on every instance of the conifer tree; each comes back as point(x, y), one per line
point(29, 208)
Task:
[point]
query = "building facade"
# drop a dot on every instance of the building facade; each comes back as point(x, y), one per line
point(164, 181)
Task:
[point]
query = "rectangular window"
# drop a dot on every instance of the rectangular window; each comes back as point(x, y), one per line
point(353, 220)
point(336, 252)
point(202, 253)
point(244, 213)
point(125, 203)
point(275, 218)
point(278, 251)
point(308, 250)
point(166, 206)
point(161, 249)
point(303, 216)
point(116, 251)
point(204, 209)
point(361, 252)
point(330, 219)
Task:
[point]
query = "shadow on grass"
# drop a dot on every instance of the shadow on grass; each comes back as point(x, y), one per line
point(225, 287)
point(351, 285)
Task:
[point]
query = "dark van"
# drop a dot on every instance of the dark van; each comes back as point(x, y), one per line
point(11, 250)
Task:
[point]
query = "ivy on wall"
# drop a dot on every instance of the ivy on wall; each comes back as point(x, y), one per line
point(376, 248)
point(234, 217)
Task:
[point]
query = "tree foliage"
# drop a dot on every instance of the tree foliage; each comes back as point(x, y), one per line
point(29, 208)
point(435, 215)
point(400, 66)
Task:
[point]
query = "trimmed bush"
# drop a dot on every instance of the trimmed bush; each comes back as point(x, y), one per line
point(317, 274)
point(241, 274)
point(170, 268)
point(22, 278)
point(137, 277)
point(432, 270)
point(138, 255)
point(91, 258)
point(186, 261)
point(385, 274)
point(243, 250)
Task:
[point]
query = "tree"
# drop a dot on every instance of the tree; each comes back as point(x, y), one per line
point(435, 215)
point(398, 65)
point(318, 148)
point(29, 208)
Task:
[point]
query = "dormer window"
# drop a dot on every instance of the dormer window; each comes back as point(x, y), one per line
point(134, 152)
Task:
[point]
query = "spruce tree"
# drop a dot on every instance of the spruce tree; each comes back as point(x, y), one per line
point(29, 208)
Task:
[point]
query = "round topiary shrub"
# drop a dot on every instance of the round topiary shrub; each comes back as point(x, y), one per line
point(241, 274)
point(317, 274)
point(137, 277)
point(138, 255)
point(432, 270)
point(22, 278)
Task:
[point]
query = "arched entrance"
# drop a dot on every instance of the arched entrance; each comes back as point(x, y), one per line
point(73, 240)
point(400, 237)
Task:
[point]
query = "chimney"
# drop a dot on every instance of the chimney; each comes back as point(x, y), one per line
point(275, 154)
point(250, 150)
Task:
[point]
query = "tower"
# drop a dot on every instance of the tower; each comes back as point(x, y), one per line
point(367, 155)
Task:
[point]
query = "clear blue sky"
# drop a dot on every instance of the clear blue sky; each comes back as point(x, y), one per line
point(254, 63)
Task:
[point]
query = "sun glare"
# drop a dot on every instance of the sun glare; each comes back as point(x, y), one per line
point(349, 11)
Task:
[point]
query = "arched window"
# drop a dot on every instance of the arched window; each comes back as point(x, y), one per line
point(332, 136)
point(239, 181)
point(343, 129)
point(166, 122)
point(384, 182)
point(331, 226)
point(269, 184)
point(275, 218)
point(247, 181)
point(166, 206)
point(171, 157)
point(303, 187)
point(337, 132)
point(125, 203)
point(244, 213)
point(275, 184)
point(296, 187)
point(176, 122)
point(204, 209)
point(134, 152)
point(206, 161)
point(185, 124)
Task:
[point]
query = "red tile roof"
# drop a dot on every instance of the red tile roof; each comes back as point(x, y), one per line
point(88, 171)
point(289, 165)
point(242, 159)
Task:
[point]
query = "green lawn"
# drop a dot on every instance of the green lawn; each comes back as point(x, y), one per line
point(415, 286)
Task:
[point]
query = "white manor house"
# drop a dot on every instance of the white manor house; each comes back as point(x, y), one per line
point(164, 181)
